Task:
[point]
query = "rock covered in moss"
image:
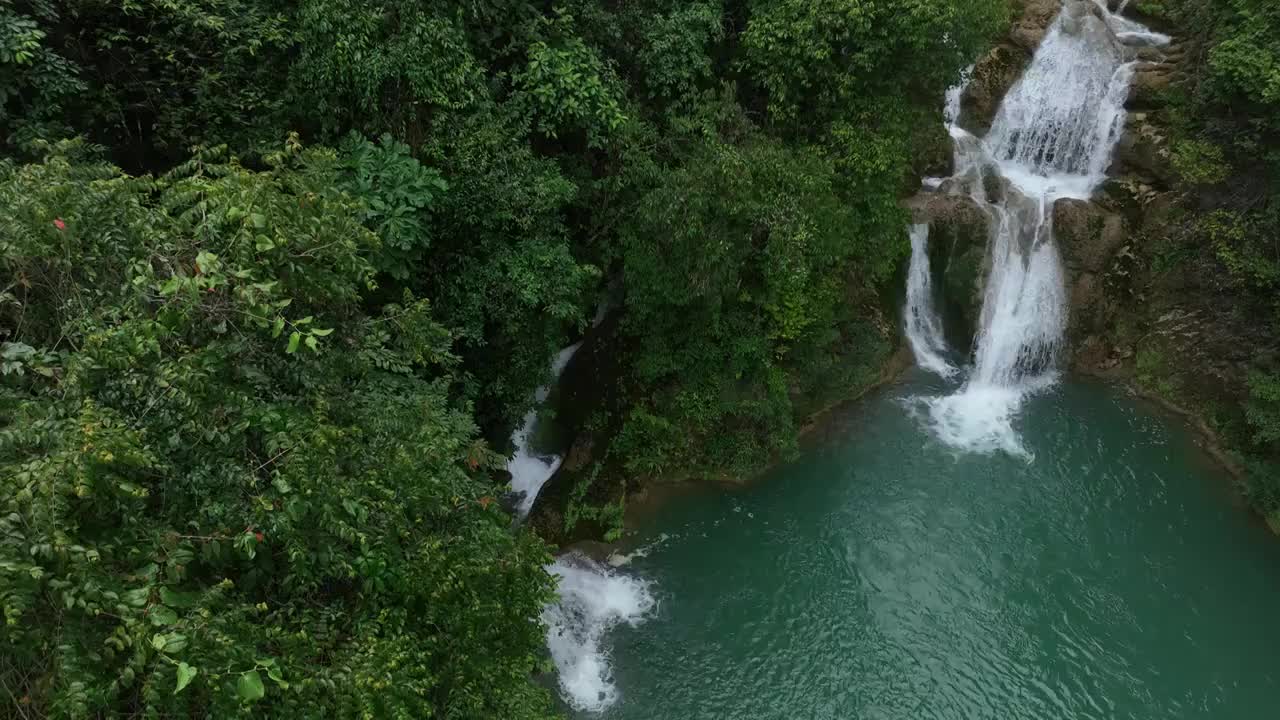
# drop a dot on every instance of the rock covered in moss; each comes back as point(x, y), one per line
point(1088, 234)
point(1034, 18)
point(959, 230)
point(993, 75)
point(1144, 150)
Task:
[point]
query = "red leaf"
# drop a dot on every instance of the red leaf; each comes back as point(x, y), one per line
point(58, 223)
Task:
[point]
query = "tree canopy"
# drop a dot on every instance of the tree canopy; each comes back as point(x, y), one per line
point(278, 277)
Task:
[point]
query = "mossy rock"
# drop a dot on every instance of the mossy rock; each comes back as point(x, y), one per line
point(993, 75)
point(1088, 234)
point(959, 230)
point(1032, 22)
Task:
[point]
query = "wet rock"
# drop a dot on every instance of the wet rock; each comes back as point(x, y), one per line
point(1151, 54)
point(1091, 239)
point(935, 153)
point(1075, 16)
point(580, 453)
point(1143, 150)
point(1033, 22)
point(959, 230)
point(993, 75)
point(1088, 303)
point(1088, 234)
point(937, 162)
point(501, 478)
point(1092, 353)
point(995, 187)
point(1150, 80)
point(590, 386)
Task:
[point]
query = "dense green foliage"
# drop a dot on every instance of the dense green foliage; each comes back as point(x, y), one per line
point(260, 328)
point(218, 467)
point(1223, 118)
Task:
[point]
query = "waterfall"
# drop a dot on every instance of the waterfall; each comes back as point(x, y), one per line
point(1052, 138)
point(529, 469)
point(924, 329)
point(593, 599)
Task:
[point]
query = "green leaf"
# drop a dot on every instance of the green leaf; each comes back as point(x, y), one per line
point(313, 343)
point(206, 261)
point(175, 642)
point(186, 674)
point(259, 220)
point(137, 597)
point(161, 615)
point(294, 339)
point(277, 327)
point(273, 672)
point(249, 687)
point(177, 599)
point(323, 332)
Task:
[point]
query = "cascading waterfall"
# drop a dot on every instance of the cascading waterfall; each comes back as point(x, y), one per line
point(1052, 138)
point(591, 598)
point(924, 329)
point(531, 470)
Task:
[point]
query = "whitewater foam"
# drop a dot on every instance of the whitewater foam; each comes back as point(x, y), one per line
point(592, 600)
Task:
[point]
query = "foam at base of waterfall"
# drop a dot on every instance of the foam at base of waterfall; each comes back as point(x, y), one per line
point(593, 599)
point(979, 418)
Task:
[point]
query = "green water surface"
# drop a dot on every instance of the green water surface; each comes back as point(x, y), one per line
point(884, 576)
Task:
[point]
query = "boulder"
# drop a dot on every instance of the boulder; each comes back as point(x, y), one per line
point(1143, 150)
point(959, 229)
point(1088, 234)
point(992, 77)
point(1034, 18)
point(1150, 80)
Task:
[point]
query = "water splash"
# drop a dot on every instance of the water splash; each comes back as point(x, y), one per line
point(593, 599)
point(1052, 138)
point(529, 469)
point(924, 329)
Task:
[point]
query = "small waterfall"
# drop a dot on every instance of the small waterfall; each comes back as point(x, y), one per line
point(1053, 137)
point(531, 470)
point(924, 330)
point(593, 599)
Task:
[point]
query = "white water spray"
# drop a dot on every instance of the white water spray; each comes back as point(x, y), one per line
point(593, 599)
point(531, 470)
point(924, 329)
point(1052, 138)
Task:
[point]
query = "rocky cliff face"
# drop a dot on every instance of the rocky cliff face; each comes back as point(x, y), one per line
point(1105, 241)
